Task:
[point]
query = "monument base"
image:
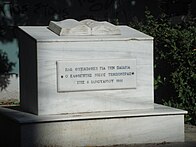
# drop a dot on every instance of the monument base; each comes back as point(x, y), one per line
point(92, 129)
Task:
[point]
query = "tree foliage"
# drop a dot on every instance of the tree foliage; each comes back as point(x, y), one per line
point(5, 67)
point(174, 61)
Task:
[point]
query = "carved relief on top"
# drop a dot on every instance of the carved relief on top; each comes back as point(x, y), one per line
point(71, 27)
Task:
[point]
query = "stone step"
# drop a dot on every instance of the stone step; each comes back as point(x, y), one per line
point(161, 124)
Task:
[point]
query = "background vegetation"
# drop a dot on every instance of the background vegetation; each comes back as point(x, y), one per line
point(174, 61)
point(5, 67)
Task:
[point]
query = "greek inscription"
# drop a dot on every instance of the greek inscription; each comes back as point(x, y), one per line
point(68, 69)
point(111, 67)
point(80, 82)
point(102, 68)
point(100, 74)
point(119, 80)
point(119, 75)
point(102, 81)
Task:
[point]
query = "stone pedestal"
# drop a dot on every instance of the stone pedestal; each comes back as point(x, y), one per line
point(44, 56)
point(161, 124)
point(87, 91)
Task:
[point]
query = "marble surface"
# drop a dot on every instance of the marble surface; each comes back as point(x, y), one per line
point(162, 124)
point(43, 49)
point(92, 75)
point(70, 27)
point(22, 117)
point(43, 34)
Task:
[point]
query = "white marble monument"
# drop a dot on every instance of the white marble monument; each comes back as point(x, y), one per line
point(88, 83)
point(85, 73)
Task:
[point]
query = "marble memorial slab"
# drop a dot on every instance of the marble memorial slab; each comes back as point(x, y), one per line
point(73, 73)
point(96, 75)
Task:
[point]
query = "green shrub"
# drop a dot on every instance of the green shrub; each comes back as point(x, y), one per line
point(174, 61)
point(5, 67)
